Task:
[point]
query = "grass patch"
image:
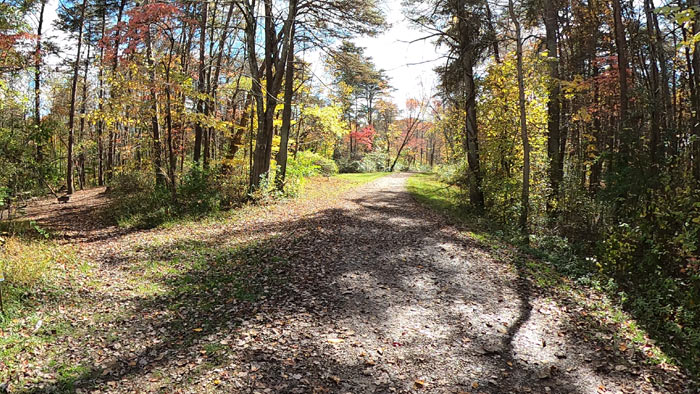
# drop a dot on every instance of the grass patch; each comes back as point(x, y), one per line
point(449, 200)
point(428, 190)
point(36, 270)
point(69, 375)
point(360, 179)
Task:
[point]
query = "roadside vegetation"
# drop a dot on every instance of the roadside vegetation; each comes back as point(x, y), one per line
point(645, 313)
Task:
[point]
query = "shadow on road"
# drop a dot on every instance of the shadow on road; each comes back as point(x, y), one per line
point(372, 296)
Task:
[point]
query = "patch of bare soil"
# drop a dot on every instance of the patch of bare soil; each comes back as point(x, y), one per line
point(365, 293)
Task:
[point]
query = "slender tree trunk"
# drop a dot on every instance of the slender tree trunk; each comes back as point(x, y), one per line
point(597, 166)
point(654, 84)
point(201, 86)
point(492, 30)
point(476, 195)
point(551, 21)
point(155, 113)
point(111, 149)
point(696, 103)
point(240, 130)
point(623, 66)
point(37, 87)
point(83, 111)
point(297, 138)
point(691, 86)
point(100, 99)
point(471, 138)
point(525, 196)
point(73, 94)
point(412, 123)
point(251, 28)
point(172, 159)
point(286, 116)
point(209, 103)
point(668, 113)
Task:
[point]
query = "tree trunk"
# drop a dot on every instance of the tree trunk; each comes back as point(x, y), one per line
point(240, 129)
point(83, 111)
point(696, 104)
point(471, 138)
point(476, 195)
point(286, 116)
point(525, 195)
point(413, 122)
point(668, 113)
point(201, 87)
point(155, 113)
point(100, 99)
point(73, 94)
point(623, 66)
point(492, 30)
point(111, 149)
point(172, 160)
point(654, 85)
point(37, 87)
point(274, 60)
point(551, 22)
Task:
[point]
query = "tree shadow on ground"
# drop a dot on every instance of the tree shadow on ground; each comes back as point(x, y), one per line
point(359, 298)
point(674, 342)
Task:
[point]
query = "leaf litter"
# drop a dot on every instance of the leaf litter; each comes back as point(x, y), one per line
point(345, 290)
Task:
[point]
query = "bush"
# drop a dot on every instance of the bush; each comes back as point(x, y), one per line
point(231, 180)
point(199, 192)
point(371, 162)
point(308, 163)
point(374, 162)
point(327, 167)
point(346, 166)
point(138, 203)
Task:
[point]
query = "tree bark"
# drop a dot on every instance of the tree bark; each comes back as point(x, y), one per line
point(551, 22)
point(412, 123)
point(111, 149)
point(73, 94)
point(466, 33)
point(286, 116)
point(37, 87)
point(100, 99)
point(201, 87)
point(83, 111)
point(476, 195)
point(172, 160)
point(654, 85)
point(668, 113)
point(240, 129)
point(489, 17)
point(525, 194)
point(155, 113)
point(623, 66)
point(696, 104)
